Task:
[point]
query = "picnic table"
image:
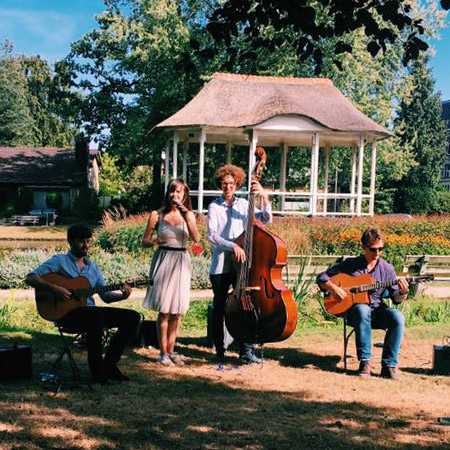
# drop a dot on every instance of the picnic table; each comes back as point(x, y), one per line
point(23, 220)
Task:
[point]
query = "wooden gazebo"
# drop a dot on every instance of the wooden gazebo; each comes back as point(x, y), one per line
point(277, 111)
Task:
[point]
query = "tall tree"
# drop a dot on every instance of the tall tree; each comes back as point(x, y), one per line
point(425, 133)
point(30, 103)
point(16, 122)
point(305, 23)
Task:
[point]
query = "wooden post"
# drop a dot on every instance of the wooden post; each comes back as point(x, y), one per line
point(314, 174)
point(360, 176)
point(283, 165)
point(373, 171)
point(175, 155)
point(201, 171)
point(353, 179)
point(166, 166)
point(228, 153)
point(185, 158)
point(326, 176)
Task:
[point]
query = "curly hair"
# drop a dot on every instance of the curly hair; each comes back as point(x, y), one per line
point(237, 173)
point(370, 235)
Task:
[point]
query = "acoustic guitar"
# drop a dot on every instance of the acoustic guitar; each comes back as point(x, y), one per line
point(52, 307)
point(357, 289)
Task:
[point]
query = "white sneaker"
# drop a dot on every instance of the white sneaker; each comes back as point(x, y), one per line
point(165, 360)
point(175, 358)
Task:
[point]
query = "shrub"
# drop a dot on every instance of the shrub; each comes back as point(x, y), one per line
point(200, 272)
point(15, 266)
point(54, 200)
point(86, 205)
point(443, 202)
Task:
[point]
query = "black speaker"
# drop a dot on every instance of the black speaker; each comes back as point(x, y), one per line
point(15, 362)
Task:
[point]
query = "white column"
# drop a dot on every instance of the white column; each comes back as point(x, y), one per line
point(353, 179)
point(185, 158)
point(360, 176)
point(175, 154)
point(283, 166)
point(314, 173)
point(326, 176)
point(373, 171)
point(228, 153)
point(201, 170)
point(166, 166)
point(251, 157)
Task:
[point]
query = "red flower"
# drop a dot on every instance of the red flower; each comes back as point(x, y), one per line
point(196, 249)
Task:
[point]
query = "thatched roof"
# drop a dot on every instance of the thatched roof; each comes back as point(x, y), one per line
point(236, 101)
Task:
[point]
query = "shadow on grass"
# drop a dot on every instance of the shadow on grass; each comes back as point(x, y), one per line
point(177, 409)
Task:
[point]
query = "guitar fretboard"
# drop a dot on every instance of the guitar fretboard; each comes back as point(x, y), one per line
point(111, 287)
point(382, 284)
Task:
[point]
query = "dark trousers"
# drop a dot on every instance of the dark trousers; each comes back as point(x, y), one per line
point(221, 284)
point(92, 320)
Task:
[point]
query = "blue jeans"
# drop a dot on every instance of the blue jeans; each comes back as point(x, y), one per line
point(363, 319)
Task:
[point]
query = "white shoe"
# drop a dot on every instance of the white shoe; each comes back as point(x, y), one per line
point(165, 360)
point(175, 358)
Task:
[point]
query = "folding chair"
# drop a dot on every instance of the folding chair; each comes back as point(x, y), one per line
point(54, 378)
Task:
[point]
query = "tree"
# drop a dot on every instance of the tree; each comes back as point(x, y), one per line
point(16, 123)
point(426, 134)
point(133, 73)
point(31, 112)
point(53, 119)
point(305, 24)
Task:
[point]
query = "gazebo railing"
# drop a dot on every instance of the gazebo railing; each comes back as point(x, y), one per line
point(301, 195)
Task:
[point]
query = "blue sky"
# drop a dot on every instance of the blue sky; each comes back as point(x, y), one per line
point(47, 27)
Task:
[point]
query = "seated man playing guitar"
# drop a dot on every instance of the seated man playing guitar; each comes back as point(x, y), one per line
point(89, 318)
point(376, 314)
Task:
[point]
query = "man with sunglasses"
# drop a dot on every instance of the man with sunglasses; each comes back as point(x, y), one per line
point(376, 315)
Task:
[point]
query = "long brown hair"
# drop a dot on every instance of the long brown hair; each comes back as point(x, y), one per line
point(173, 185)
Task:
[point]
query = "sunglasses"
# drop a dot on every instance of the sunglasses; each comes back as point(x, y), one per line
point(375, 249)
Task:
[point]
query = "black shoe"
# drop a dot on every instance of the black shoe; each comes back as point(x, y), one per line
point(113, 373)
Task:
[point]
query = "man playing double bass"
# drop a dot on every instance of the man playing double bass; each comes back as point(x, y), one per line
point(376, 314)
point(227, 218)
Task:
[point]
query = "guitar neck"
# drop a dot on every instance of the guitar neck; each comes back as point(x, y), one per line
point(383, 284)
point(113, 287)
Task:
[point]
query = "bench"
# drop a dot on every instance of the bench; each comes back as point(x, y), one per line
point(413, 265)
point(437, 265)
point(24, 220)
point(308, 266)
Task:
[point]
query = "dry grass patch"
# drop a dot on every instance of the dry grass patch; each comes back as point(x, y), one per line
point(299, 398)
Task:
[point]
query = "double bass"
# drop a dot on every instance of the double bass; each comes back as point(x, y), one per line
point(260, 308)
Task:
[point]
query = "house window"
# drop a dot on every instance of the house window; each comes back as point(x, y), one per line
point(446, 171)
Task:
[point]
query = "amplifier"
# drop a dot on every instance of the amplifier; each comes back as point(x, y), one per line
point(15, 362)
point(441, 360)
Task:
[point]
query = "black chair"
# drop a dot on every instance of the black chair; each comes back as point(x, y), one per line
point(54, 378)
